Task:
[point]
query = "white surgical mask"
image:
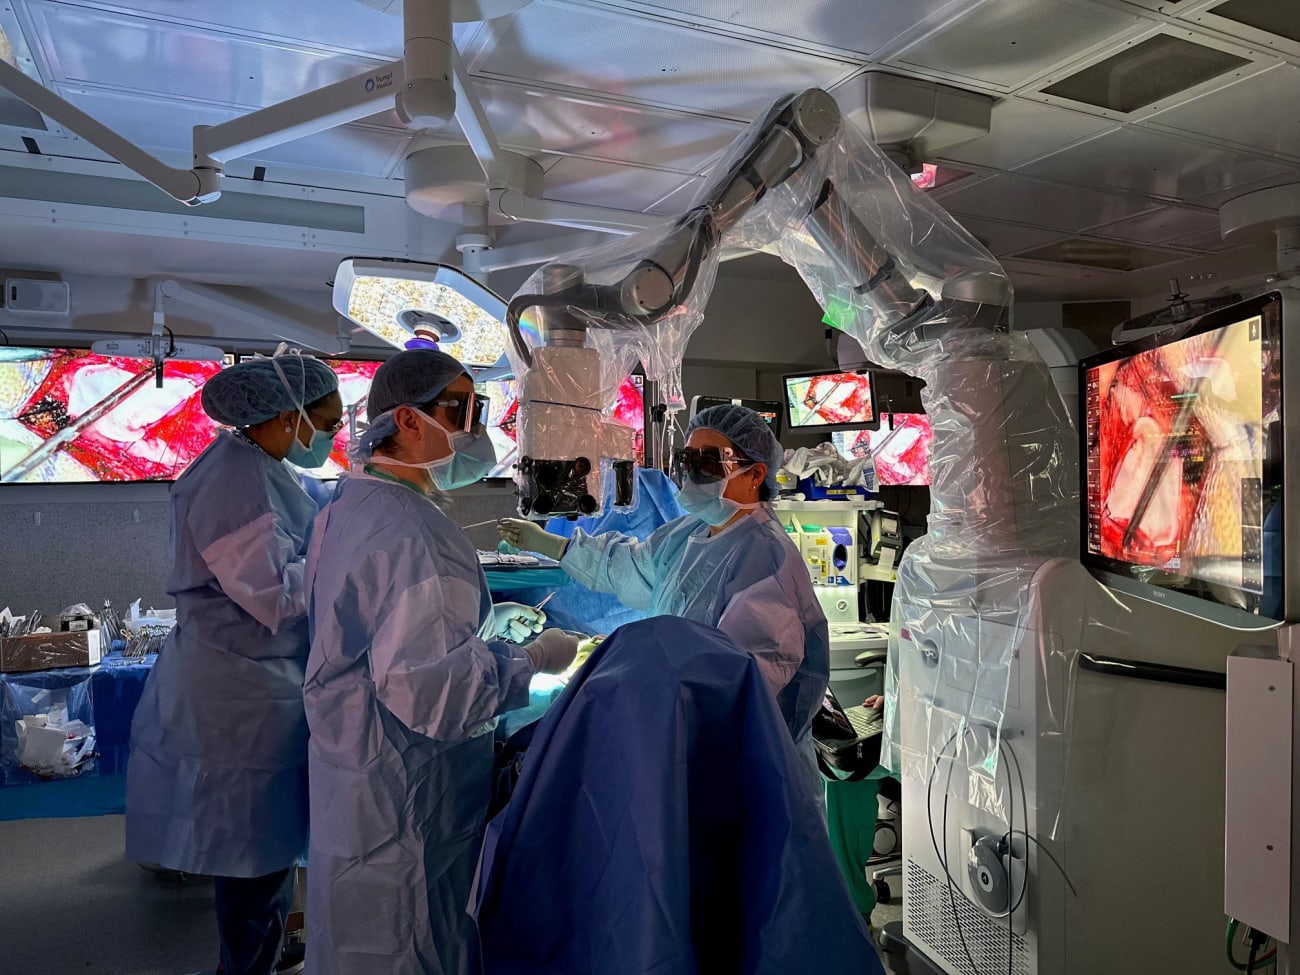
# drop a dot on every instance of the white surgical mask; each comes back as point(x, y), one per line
point(706, 501)
point(472, 456)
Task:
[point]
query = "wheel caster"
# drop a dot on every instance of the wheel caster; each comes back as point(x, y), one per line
point(881, 888)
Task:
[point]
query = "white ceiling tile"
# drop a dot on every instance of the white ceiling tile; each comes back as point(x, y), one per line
point(637, 59)
point(338, 24)
point(1220, 197)
point(1022, 130)
point(1024, 201)
point(1210, 240)
point(679, 200)
point(1006, 43)
point(1006, 238)
point(1168, 225)
point(91, 47)
point(1233, 113)
point(574, 180)
point(164, 128)
point(849, 25)
point(536, 120)
point(1143, 161)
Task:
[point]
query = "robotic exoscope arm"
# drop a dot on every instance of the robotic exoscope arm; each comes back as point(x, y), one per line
point(891, 268)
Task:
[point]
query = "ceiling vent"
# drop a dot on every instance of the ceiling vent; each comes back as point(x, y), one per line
point(1280, 17)
point(1105, 254)
point(912, 120)
point(1145, 73)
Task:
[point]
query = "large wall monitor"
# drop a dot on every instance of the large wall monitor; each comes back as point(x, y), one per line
point(830, 400)
point(769, 410)
point(1184, 465)
point(901, 448)
point(69, 415)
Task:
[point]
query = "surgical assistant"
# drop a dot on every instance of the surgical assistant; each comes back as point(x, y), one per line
point(727, 564)
point(217, 777)
point(407, 673)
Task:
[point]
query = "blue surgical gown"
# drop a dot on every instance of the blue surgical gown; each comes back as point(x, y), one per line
point(217, 778)
point(663, 824)
point(401, 694)
point(747, 580)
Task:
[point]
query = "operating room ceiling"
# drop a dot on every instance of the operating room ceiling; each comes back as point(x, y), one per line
point(1119, 128)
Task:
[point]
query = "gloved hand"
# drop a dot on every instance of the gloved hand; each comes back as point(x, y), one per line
point(512, 621)
point(585, 648)
point(528, 536)
point(552, 651)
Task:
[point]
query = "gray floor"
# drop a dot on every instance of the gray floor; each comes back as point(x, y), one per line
point(70, 903)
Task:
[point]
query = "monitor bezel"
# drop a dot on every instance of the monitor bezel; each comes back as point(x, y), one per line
point(759, 406)
point(873, 424)
point(1115, 573)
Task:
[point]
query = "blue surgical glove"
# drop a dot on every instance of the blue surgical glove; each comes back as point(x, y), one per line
point(512, 621)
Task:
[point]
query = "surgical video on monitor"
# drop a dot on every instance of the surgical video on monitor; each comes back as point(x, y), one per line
point(70, 415)
point(1175, 457)
point(901, 448)
point(830, 399)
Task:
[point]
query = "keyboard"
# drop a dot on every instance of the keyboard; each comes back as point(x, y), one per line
point(867, 722)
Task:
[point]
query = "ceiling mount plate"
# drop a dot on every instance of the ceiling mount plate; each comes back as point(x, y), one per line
point(442, 180)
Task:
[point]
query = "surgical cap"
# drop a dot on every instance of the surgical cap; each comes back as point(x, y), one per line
point(409, 378)
point(252, 391)
point(748, 433)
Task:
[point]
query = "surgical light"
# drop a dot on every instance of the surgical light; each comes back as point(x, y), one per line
point(388, 298)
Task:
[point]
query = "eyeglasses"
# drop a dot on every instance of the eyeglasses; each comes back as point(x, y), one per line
point(468, 410)
point(332, 429)
point(705, 465)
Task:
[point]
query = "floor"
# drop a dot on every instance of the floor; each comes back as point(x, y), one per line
point(70, 903)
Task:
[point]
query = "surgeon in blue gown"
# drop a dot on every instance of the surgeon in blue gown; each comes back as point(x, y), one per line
point(728, 563)
point(663, 823)
point(408, 671)
point(217, 777)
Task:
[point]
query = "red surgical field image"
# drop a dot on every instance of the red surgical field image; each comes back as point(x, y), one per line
point(70, 415)
point(1175, 457)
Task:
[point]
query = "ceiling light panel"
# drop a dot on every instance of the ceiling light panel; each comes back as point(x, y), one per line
point(1150, 163)
point(532, 119)
point(85, 46)
point(1008, 43)
point(1279, 17)
point(1233, 113)
point(1102, 254)
point(1151, 71)
point(849, 25)
point(638, 59)
point(1060, 208)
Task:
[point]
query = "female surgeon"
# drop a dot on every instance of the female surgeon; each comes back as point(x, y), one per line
point(217, 778)
point(728, 563)
point(407, 672)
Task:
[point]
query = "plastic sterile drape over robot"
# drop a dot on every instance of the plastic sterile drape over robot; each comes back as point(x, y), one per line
point(920, 295)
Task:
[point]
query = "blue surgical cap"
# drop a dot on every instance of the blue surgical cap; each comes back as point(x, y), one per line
point(409, 378)
point(748, 433)
point(252, 391)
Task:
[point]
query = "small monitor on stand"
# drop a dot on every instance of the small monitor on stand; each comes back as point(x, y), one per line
point(769, 410)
